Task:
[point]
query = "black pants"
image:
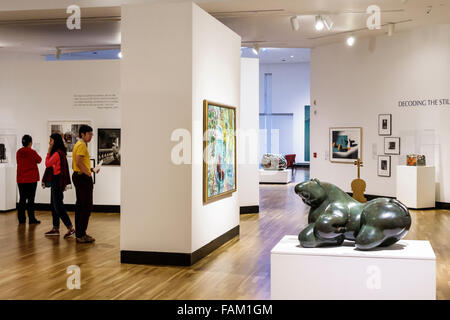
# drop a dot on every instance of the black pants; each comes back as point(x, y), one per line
point(84, 188)
point(27, 192)
point(57, 204)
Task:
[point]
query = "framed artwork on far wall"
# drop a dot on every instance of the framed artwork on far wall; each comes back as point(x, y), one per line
point(384, 166)
point(392, 145)
point(384, 124)
point(345, 144)
point(219, 151)
point(69, 130)
point(108, 147)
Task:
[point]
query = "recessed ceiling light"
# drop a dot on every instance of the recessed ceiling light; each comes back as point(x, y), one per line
point(292, 56)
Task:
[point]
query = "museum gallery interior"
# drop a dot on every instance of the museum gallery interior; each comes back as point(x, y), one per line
point(230, 149)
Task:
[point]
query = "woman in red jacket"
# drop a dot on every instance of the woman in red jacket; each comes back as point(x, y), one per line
point(60, 179)
point(27, 178)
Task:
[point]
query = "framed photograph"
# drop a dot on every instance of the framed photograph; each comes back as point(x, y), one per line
point(108, 147)
point(384, 124)
point(345, 144)
point(392, 145)
point(219, 151)
point(69, 130)
point(93, 166)
point(384, 166)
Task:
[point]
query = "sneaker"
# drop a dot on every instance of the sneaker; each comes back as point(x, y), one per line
point(53, 232)
point(34, 221)
point(69, 233)
point(85, 239)
point(90, 238)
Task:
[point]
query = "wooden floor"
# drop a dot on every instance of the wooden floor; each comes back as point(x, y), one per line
point(34, 267)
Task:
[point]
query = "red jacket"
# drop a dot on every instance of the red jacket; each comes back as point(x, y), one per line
point(27, 169)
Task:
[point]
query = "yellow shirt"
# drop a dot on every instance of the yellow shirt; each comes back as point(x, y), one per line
point(80, 149)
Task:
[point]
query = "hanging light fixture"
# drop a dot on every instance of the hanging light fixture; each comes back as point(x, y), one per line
point(295, 23)
point(255, 49)
point(391, 29)
point(319, 23)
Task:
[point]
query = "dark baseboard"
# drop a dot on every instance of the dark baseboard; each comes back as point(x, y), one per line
point(371, 196)
point(443, 205)
point(6, 211)
point(71, 207)
point(177, 259)
point(249, 209)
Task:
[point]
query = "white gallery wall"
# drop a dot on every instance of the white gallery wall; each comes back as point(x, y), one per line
point(33, 91)
point(290, 94)
point(191, 57)
point(352, 85)
point(248, 135)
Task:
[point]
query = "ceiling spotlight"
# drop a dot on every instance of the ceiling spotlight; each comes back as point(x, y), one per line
point(351, 41)
point(391, 29)
point(319, 23)
point(328, 22)
point(292, 56)
point(119, 55)
point(295, 23)
point(255, 49)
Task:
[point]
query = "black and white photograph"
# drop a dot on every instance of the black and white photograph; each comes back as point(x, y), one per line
point(345, 144)
point(392, 145)
point(109, 147)
point(384, 166)
point(384, 124)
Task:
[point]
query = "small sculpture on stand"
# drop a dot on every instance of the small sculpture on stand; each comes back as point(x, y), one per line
point(334, 216)
point(272, 161)
point(359, 185)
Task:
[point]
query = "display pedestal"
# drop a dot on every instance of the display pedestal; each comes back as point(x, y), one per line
point(275, 176)
point(8, 188)
point(416, 187)
point(405, 270)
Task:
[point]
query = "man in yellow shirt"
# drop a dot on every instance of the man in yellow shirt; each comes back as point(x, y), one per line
point(84, 186)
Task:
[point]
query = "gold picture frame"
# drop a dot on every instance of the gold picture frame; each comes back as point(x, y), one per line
point(207, 197)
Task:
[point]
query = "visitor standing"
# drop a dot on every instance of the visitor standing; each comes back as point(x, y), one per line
point(27, 179)
point(57, 174)
point(84, 186)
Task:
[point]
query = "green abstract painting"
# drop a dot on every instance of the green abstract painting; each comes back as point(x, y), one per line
point(219, 165)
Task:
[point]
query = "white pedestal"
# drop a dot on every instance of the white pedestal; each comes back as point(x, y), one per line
point(416, 187)
point(8, 188)
point(405, 270)
point(275, 176)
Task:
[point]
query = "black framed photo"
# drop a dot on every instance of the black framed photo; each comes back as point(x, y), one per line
point(392, 145)
point(384, 124)
point(108, 147)
point(384, 166)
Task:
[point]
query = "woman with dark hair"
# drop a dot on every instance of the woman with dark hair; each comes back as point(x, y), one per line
point(58, 175)
point(27, 178)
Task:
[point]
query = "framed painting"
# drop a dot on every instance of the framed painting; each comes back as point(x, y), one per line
point(392, 145)
point(108, 147)
point(384, 124)
point(384, 166)
point(68, 129)
point(219, 151)
point(345, 144)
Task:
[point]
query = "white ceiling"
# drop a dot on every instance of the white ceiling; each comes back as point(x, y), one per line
point(39, 26)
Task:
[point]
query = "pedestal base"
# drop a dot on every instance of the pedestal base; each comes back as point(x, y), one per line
point(405, 270)
point(275, 176)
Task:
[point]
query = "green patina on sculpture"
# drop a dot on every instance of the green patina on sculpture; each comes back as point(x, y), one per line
point(335, 216)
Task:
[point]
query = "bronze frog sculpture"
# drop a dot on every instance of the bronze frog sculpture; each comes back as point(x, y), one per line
point(334, 216)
